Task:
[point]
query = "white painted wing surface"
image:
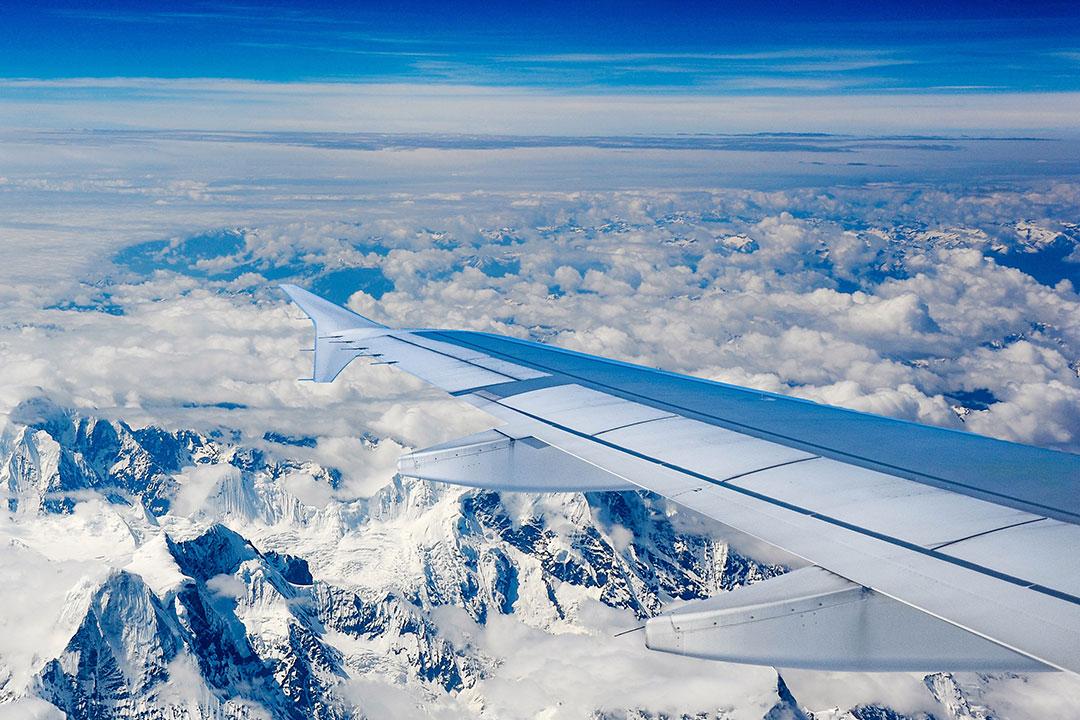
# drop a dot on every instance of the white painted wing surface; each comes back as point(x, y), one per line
point(974, 533)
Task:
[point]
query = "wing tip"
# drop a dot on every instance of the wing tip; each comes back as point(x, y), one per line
point(331, 316)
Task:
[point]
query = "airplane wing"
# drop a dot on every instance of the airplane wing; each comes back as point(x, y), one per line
point(928, 548)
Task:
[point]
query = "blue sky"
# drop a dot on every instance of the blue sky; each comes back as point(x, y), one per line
point(607, 47)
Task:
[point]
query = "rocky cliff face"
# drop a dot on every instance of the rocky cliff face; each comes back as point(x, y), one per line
point(256, 604)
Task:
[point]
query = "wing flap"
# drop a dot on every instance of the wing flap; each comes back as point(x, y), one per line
point(811, 618)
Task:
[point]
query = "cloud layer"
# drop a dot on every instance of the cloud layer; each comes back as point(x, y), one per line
point(464, 107)
point(900, 301)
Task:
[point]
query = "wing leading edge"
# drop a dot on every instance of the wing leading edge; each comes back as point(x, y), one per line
point(957, 539)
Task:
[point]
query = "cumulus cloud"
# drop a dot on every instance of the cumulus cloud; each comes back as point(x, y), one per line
point(227, 586)
point(570, 676)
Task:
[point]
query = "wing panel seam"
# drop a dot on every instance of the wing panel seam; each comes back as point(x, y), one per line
point(989, 532)
point(634, 424)
point(726, 480)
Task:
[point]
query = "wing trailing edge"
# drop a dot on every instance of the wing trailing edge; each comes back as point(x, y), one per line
point(811, 618)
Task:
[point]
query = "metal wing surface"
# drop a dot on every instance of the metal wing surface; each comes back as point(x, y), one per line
point(934, 549)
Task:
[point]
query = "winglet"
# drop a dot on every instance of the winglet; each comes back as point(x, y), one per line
point(329, 319)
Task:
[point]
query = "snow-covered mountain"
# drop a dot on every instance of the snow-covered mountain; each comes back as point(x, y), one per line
point(173, 574)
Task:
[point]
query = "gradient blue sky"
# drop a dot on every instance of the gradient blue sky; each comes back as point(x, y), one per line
point(701, 48)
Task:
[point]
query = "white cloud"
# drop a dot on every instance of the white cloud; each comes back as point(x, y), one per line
point(30, 708)
point(309, 490)
point(197, 483)
point(227, 586)
point(570, 676)
point(223, 104)
point(30, 630)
